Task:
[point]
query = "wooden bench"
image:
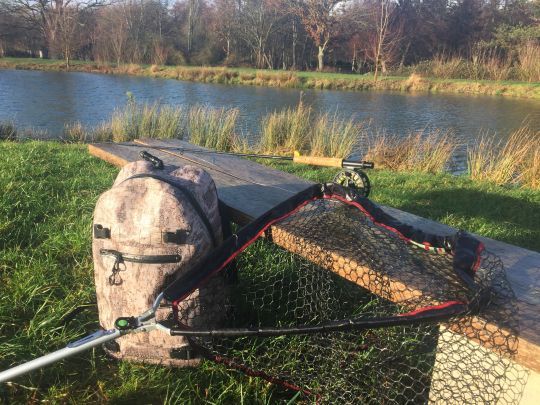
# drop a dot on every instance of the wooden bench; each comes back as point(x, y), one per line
point(249, 189)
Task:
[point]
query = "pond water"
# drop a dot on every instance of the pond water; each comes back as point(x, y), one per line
point(48, 100)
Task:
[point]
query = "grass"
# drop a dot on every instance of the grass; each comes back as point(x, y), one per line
point(286, 131)
point(8, 131)
point(49, 192)
point(131, 122)
point(529, 88)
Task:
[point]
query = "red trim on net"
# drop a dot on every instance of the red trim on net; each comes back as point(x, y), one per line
point(246, 370)
point(432, 308)
point(326, 197)
point(259, 374)
point(366, 212)
point(249, 242)
point(478, 261)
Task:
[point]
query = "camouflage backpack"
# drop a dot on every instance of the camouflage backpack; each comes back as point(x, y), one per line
point(149, 229)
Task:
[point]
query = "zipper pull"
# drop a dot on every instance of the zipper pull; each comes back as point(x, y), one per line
point(114, 278)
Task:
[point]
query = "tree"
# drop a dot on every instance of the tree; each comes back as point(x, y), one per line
point(259, 20)
point(49, 16)
point(318, 17)
point(67, 38)
point(384, 36)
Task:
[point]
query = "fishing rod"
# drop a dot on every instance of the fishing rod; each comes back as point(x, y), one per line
point(296, 158)
point(350, 176)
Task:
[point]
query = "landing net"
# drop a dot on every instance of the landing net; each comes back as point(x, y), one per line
point(328, 296)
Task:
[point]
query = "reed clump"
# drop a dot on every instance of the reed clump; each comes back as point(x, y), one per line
point(133, 121)
point(529, 62)
point(423, 151)
point(514, 161)
point(485, 64)
point(8, 131)
point(213, 128)
point(287, 130)
point(147, 121)
point(333, 136)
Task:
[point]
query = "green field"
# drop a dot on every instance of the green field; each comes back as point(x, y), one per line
point(49, 192)
point(289, 79)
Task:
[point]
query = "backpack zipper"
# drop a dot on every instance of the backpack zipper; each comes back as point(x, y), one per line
point(148, 259)
point(120, 258)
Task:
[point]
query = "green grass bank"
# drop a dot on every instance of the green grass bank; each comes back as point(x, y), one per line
point(289, 79)
point(49, 192)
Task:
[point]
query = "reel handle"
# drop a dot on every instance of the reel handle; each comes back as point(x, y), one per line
point(332, 162)
point(318, 161)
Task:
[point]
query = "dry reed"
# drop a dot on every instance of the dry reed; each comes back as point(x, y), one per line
point(514, 161)
point(286, 131)
point(529, 62)
point(333, 136)
point(8, 131)
point(213, 128)
point(428, 152)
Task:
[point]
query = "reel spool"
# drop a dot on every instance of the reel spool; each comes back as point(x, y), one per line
point(355, 179)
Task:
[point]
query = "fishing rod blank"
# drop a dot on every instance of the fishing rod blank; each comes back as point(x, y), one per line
point(297, 158)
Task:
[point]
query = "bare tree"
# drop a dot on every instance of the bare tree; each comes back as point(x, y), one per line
point(49, 15)
point(384, 36)
point(318, 17)
point(259, 20)
point(226, 23)
point(193, 18)
point(67, 36)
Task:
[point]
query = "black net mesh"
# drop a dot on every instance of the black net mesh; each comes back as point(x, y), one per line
point(330, 262)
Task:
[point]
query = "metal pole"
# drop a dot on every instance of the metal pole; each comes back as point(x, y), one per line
point(71, 349)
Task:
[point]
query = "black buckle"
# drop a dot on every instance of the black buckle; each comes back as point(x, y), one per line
point(101, 233)
point(156, 162)
point(179, 237)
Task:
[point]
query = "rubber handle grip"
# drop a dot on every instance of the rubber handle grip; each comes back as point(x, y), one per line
point(318, 161)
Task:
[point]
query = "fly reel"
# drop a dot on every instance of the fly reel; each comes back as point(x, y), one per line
point(355, 179)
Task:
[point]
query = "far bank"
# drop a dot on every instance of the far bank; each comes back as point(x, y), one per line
point(289, 79)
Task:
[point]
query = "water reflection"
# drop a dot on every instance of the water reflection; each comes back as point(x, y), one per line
point(48, 100)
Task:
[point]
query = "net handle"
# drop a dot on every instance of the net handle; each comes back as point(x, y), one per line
point(431, 314)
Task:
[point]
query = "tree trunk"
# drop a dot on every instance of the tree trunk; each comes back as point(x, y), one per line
point(321, 58)
point(294, 38)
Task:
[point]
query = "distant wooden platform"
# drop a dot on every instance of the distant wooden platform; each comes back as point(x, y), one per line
point(249, 189)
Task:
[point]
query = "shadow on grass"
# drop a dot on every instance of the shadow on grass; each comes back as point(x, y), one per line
point(502, 217)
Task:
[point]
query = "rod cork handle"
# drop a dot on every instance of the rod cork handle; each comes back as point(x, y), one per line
point(318, 161)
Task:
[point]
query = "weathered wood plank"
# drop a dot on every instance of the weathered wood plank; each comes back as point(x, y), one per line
point(250, 189)
point(247, 198)
point(242, 169)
